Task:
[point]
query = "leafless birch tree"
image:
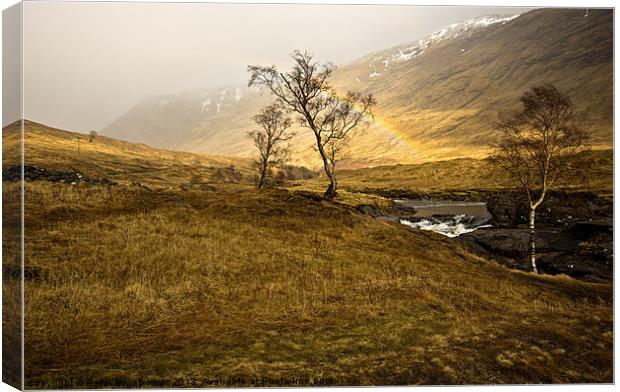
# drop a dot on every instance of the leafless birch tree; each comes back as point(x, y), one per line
point(535, 147)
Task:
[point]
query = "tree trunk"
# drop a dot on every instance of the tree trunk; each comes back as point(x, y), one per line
point(533, 239)
point(261, 179)
point(330, 193)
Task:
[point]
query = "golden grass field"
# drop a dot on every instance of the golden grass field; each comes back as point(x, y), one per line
point(129, 286)
point(467, 176)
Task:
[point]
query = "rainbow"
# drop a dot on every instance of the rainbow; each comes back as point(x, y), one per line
point(382, 122)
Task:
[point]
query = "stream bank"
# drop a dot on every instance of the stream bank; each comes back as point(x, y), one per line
point(574, 230)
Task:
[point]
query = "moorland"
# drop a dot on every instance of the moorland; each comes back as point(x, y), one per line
point(169, 273)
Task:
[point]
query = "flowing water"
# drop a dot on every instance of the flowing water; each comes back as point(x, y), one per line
point(447, 217)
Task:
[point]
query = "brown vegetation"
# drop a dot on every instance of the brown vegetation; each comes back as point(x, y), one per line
point(128, 285)
point(468, 178)
point(238, 285)
point(116, 160)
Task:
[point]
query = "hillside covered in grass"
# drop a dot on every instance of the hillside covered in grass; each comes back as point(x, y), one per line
point(131, 286)
point(56, 149)
point(593, 172)
point(243, 285)
point(446, 99)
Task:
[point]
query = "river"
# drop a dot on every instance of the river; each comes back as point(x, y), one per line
point(447, 217)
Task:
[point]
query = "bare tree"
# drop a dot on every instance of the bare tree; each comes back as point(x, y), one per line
point(271, 140)
point(536, 145)
point(92, 135)
point(305, 91)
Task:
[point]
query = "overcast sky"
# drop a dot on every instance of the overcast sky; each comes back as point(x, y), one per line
point(87, 63)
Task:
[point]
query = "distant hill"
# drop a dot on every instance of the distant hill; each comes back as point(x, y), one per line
point(104, 157)
point(438, 97)
point(166, 120)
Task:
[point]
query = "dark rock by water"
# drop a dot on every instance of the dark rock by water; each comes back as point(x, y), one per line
point(574, 234)
point(393, 213)
point(511, 209)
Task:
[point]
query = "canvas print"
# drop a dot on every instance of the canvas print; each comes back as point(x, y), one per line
point(280, 195)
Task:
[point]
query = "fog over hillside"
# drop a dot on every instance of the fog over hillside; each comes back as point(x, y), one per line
point(87, 63)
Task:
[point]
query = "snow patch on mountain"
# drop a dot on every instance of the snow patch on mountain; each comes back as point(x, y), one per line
point(238, 94)
point(381, 63)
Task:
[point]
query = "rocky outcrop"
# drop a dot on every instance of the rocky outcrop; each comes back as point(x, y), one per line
point(371, 210)
point(393, 213)
point(511, 209)
point(581, 249)
point(33, 173)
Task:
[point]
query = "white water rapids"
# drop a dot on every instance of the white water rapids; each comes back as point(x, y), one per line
point(451, 228)
point(450, 218)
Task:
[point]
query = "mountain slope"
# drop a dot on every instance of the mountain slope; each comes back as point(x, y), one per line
point(446, 99)
point(438, 97)
point(379, 62)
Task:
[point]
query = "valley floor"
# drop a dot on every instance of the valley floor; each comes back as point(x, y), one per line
point(131, 286)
